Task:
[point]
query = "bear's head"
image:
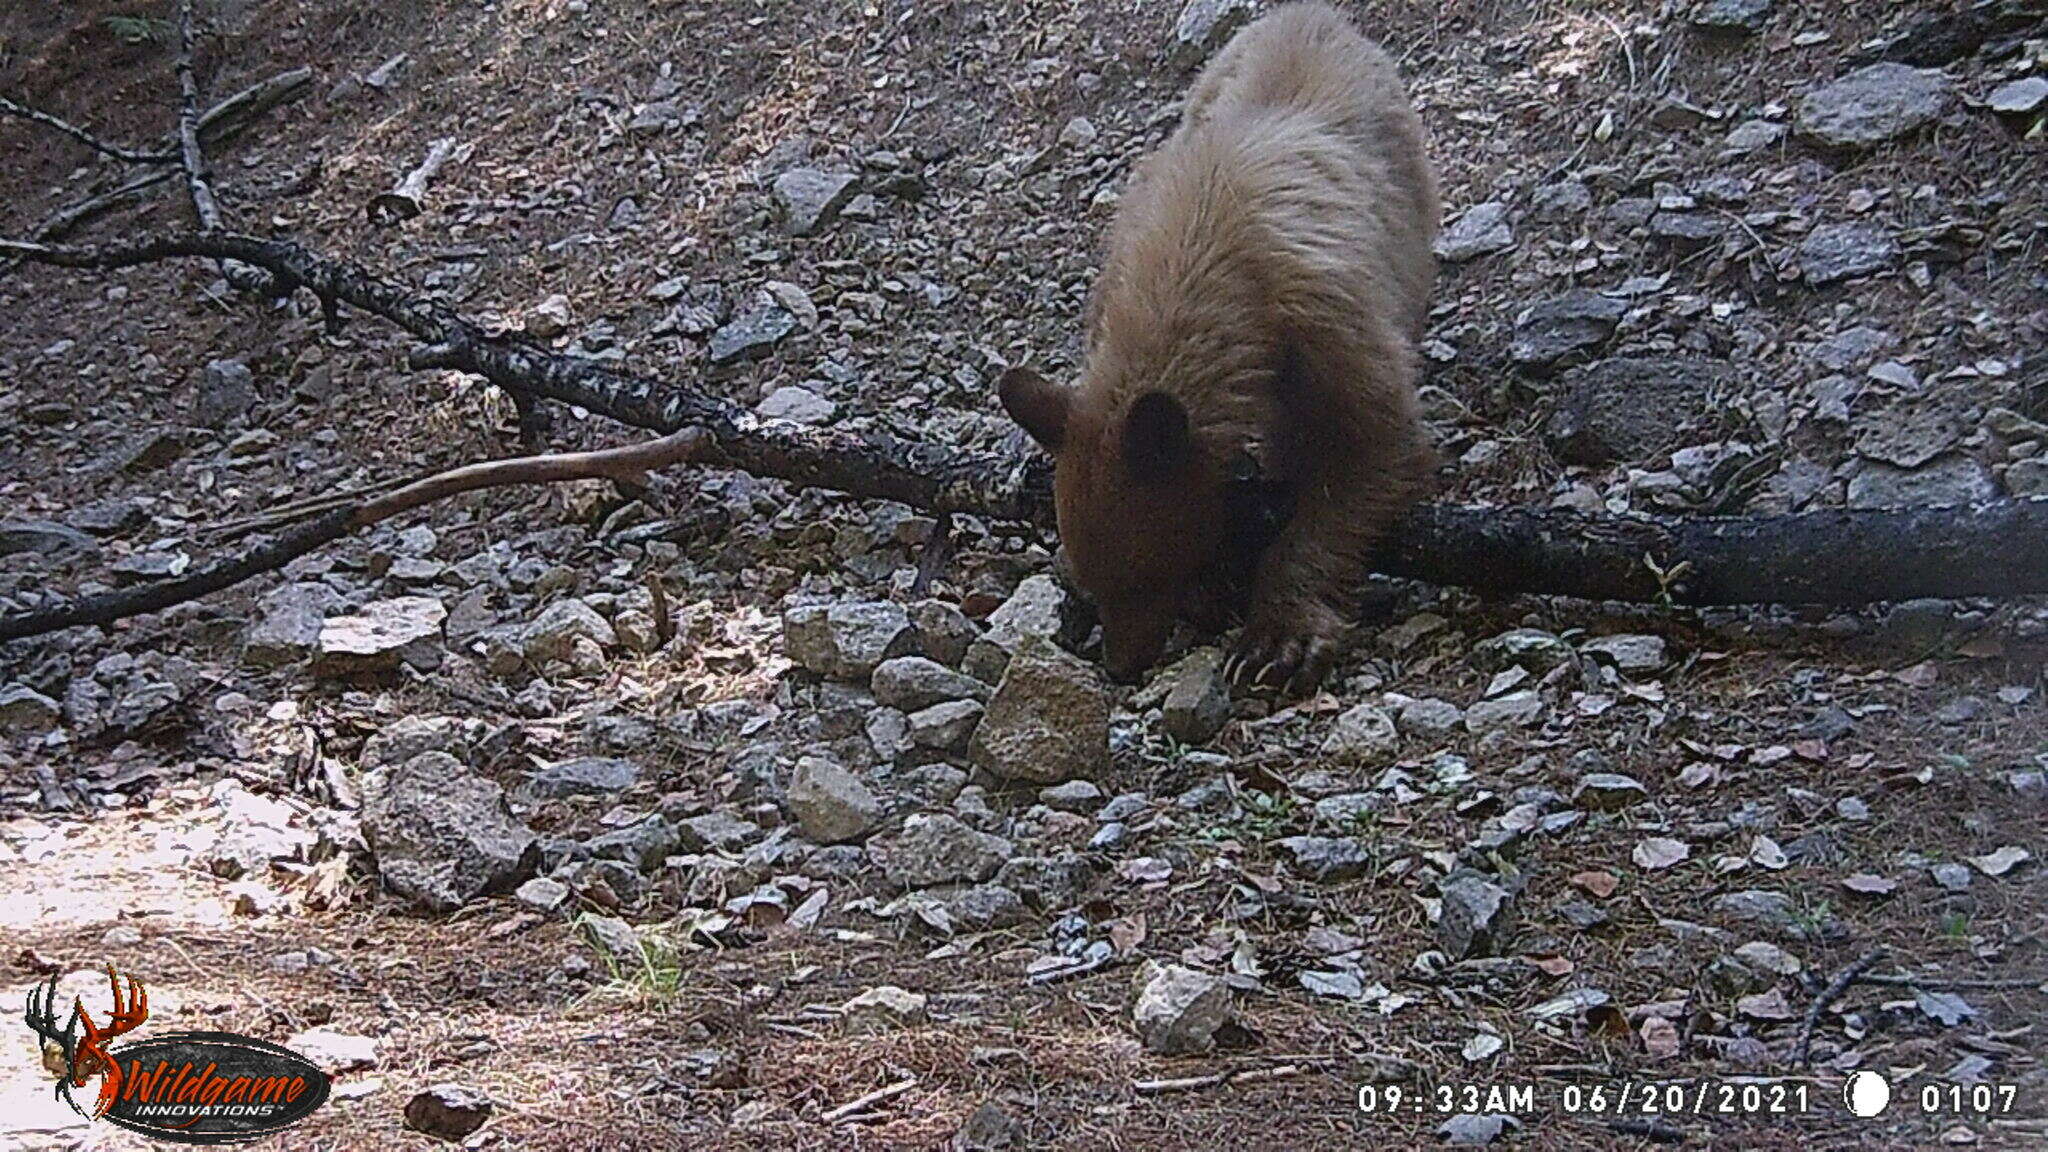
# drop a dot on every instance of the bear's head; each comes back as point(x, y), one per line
point(1145, 502)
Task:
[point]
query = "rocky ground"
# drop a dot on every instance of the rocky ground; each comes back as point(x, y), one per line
point(620, 822)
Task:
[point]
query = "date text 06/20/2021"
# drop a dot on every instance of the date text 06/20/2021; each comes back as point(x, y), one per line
point(1691, 1097)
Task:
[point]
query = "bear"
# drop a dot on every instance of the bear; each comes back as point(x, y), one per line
point(1246, 407)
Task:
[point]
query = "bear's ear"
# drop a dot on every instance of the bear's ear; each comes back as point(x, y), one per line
point(1156, 439)
point(1036, 403)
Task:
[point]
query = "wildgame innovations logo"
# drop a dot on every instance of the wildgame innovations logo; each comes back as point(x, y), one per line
point(188, 1087)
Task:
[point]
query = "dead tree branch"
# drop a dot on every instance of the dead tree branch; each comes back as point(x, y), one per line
point(128, 155)
point(221, 123)
point(1829, 556)
point(190, 155)
point(629, 464)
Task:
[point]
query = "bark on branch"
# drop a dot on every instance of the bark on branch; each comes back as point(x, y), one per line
point(1831, 556)
point(204, 207)
point(629, 464)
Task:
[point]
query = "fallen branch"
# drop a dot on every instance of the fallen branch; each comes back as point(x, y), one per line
point(193, 159)
point(1829, 995)
point(407, 200)
point(1827, 556)
point(853, 1108)
point(629, 464)
point(129, 155)
point(222, 122)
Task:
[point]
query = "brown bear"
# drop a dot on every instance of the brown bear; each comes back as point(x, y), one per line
point(1249, 392)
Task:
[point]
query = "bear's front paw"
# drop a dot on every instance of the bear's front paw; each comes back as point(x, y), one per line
point(1288, 650)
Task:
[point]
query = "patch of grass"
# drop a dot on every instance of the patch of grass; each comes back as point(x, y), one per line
point(1955, 927)
point(652, 969)
point(140, 29)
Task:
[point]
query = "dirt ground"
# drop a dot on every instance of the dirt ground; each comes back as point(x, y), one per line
point(1873, 771)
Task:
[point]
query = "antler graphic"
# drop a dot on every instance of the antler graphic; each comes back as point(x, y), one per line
point(42, 1017)
point(93, 1056)
point(87, 1056)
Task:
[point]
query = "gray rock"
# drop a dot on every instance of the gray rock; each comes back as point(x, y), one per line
point(287, 624)
point(1608, 791)
point(227, 390)
point(553, 634)
point(2022, 97)
point(1835, 252)
point(381, 635)
point(409, 736)
point(1560, 201)
point(109, 517)
point(1752, 135)
point(809, 198)
point(989, 1129)
point(1475, 915)
point(1739, 16)
point(23, 709)
point(643, 844)
point(1529, 648)
point(614, 938)
point(1198, 701)
point(441, 836)
point(1516, 709)
point(914, 682)
point(1482, 229)
point(1072, 796)
point(1950, 480)
point(796, 404)
point(1757, 906)
point(752, 333)
point(1476, 1129)
point(1685, 232)
point(42, 537)
point(884, 1009)
point(1040, 609)
point(1630, 652)
point(943, 631)
point(1429, 717)
point(1951, 876)
point(718, 831)
point(1347, 808)
point(2027, 477)
point(542, 894)
point(849, 639)
point(1048, 720)
point(448, 1111)
point(938, 849)
point(1364, 732)
point(980, 907)
point(1049, 883)
point(1326, 859)
point(830, 804)
point(946, 729)
point(1179, 1010)
point(1632, 408)
point(1557, 331)
point(1204, 26)
point(584, 776)
point(1872, 105)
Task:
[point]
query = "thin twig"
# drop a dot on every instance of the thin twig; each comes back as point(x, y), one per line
point(861, 1104)
point(10, 108)
point(1216, 1079)
point(1829, 995)
point(1939, 982)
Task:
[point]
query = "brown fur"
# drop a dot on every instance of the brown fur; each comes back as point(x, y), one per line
point(1268, 274)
